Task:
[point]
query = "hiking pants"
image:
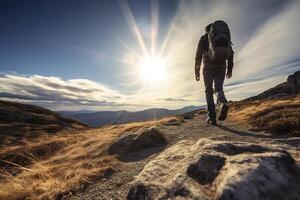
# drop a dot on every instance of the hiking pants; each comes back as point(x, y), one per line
point(216, 76)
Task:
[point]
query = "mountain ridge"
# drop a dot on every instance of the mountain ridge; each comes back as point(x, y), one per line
point(101, 118)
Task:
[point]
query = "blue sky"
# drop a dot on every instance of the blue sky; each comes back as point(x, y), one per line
point(83, 54)
point(69, 39)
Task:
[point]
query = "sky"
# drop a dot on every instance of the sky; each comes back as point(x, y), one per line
point(134, 55)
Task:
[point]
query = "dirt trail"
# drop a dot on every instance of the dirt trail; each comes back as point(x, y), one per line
point(117, 185)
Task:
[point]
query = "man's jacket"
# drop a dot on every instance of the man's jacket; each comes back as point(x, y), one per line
point(202, 54)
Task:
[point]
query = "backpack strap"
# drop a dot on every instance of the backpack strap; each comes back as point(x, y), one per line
point(205, 42)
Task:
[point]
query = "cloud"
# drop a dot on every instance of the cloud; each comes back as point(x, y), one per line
point(173, 99)
point(266, 45)
point(53, 92)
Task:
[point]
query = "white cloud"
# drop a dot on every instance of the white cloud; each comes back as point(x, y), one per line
point(54, 92)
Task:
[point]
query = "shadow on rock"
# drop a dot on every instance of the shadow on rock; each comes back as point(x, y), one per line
point(140, 155)
point(206, 169)
point(173, 122)
point(242, 133)
point(234, 149)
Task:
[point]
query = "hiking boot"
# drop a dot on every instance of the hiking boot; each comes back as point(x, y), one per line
point(211, 121)
point(223, 110)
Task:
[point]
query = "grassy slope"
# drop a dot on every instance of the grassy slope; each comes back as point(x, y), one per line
point(18, 121)
point(48, 166)
point(51, 165)
point(281, 116)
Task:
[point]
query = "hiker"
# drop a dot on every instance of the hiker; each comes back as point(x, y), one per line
point(215, 48)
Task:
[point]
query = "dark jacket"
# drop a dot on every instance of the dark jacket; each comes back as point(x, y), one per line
point(201, 54)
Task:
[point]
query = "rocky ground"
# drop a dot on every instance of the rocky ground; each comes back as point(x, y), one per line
point(198, 161)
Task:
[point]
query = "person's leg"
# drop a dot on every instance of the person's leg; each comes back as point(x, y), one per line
point(208, 77)
point(221, 99)
point(218, 85)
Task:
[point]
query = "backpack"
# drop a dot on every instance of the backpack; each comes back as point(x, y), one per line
point(219, 42)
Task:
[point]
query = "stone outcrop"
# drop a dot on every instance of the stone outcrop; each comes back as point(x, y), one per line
point(294, 82)
point(294, 79)
point(188, 116)
point(142, 139)
point(224, 170)
point(173, 122)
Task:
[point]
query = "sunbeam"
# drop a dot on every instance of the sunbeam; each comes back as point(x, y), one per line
point(159, 66)
point(132, 24)
point(151, 67)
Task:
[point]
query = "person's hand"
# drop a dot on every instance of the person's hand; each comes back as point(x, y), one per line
point(228, 75)
point(197, 76)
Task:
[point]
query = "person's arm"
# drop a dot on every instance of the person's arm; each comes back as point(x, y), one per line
point(229, 66)
point(198, 59)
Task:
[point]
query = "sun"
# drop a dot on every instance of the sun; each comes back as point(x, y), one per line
point(153, 69)
point(149, 61)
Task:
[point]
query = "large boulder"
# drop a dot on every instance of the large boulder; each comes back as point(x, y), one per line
point(224, 170)
point(131, 142)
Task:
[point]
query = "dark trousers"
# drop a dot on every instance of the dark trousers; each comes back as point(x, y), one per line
point(214, 76)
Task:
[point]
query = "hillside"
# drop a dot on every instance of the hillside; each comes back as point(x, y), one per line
point(19, 121)
point(96, 119)
point(288, 88)
point(255, 154)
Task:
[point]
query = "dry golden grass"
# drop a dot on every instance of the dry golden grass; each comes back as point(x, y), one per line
point(284, 119)
point(50, 166)
point(242, 111)
point(271, 115)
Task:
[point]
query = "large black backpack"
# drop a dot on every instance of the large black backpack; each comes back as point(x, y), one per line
point(219, 42)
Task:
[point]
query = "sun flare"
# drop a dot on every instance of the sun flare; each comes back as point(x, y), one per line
point(150, 60)
point(153, 69)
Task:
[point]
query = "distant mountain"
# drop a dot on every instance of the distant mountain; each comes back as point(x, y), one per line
point(120, 117)
point(73, 112)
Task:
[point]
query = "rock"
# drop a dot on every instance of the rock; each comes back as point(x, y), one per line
point(188, 116)
point(202, 112)
point(206, 169)
point(294, 79)
point(224, 170)
point(172, 122)
point(121, 145)
point(165, 176)
point(145, 138)
point(265, 176)
point(291, 80)
point(148, 138)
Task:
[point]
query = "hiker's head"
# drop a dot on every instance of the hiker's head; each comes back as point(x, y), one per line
point(207, 28)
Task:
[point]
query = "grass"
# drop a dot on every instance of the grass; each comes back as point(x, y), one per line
point(278, 119)
point(51, 166)
point(279, 116)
